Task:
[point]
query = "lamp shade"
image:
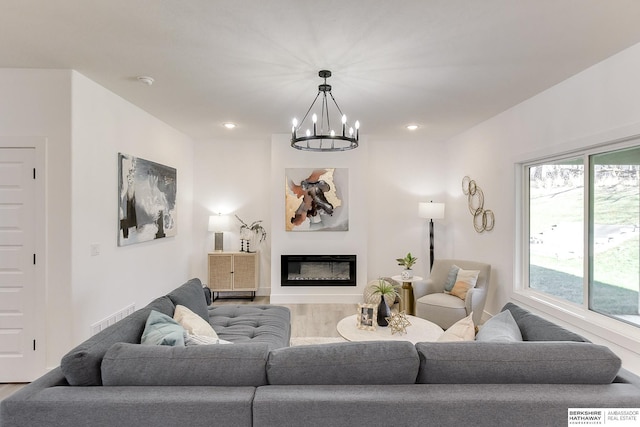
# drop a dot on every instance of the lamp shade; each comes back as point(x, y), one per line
point(219, 222)
point(431, 210)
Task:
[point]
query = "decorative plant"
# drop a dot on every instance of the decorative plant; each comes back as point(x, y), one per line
point(255, 227)
point(408, 261)
point(384, 289)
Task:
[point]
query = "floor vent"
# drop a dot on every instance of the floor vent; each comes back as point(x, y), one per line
point(110, 320)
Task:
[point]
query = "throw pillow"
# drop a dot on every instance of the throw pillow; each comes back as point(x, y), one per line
point(465, 280)
point(190, 340)
point(501, 327)
point(462, 330)
point(451, 278)
point(161, 329)
point(193, 323)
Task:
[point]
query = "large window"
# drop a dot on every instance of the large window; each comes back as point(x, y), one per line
point(583, 215)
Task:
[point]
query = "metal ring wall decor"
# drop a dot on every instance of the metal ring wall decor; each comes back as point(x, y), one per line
point(483, 219)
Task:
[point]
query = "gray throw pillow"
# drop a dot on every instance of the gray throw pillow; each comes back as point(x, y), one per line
point(191, 296)
point(501, 327)
point(535, 328)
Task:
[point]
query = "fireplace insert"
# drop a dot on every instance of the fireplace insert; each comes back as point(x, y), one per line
point(318, 270)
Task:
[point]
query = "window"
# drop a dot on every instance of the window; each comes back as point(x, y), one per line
point(582, 215)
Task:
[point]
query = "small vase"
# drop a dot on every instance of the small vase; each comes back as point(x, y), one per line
point(383, 312)
point(406, 274)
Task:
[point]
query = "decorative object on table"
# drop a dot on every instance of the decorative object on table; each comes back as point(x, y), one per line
point(483, 219)
point(323, 137)
point(147, 200)
point(254, 232)
point(407, 262)
point(218, 224)
point(431, 211)
point(386, 291)
point(398, 323)
point(315, 199)
point(366, 317)
point(374, 289)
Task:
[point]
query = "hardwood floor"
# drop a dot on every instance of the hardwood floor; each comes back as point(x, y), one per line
point(307, 320)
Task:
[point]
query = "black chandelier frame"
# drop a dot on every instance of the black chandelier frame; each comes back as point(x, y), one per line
point(339, 142)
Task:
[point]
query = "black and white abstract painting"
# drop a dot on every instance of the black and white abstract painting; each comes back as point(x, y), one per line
point(147, 200)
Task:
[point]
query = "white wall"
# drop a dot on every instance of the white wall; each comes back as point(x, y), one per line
point(104, 125)
point(231, 177)
point(38, 103)
point(598, 105)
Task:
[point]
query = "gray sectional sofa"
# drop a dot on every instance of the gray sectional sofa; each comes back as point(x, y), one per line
point(112, 380)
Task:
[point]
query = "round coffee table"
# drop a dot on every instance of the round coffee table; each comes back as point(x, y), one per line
point(420, 330)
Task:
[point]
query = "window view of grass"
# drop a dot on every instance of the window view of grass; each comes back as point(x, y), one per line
point(557, 243)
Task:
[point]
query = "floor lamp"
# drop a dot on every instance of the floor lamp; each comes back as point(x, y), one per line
point(431, 211)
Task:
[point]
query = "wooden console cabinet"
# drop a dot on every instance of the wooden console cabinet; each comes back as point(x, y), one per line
point(233, 272)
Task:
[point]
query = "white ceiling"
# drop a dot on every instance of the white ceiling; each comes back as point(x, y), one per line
point(444, 64)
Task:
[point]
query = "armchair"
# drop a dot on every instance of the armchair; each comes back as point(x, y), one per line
point(443, 309)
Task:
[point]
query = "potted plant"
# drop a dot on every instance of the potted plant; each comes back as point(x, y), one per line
point(251, 232)
point(388, 294)
point(407, 262)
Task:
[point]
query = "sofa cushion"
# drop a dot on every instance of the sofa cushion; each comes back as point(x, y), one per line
point(161, 329)
point(516, 362)
point(501, 327)
point(81, 366)
point(270, 324)
point(127, 364)
point(368, 362)
point(191, 296)
point(535, 328)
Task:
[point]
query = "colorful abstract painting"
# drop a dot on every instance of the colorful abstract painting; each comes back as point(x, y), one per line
point(316, 199)
point(147, 200)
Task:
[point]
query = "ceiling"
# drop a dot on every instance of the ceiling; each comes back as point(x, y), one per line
point(443, 64)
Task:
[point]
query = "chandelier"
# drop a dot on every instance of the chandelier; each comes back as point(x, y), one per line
point(321, 136)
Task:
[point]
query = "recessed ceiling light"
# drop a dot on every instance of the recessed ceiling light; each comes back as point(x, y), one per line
point(412, 127)
point(229, 125)
point(146, 80)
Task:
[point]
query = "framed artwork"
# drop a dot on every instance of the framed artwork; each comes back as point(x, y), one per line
point(316, 199)
point(367, 316)
point(147, 200)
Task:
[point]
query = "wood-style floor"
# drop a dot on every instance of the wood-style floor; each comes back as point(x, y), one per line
point(307, 320)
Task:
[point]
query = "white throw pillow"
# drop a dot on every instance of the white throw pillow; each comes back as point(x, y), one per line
point(192, 323)
point(462, 330)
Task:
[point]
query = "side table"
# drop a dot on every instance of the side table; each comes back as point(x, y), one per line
point(406, 293)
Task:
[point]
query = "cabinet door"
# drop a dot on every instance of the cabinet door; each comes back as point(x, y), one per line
point(220, 272)
point(245, 272)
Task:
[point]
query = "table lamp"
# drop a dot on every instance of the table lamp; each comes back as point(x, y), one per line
point(218, 224)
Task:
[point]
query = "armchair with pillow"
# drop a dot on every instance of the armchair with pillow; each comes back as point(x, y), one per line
point(455, 289)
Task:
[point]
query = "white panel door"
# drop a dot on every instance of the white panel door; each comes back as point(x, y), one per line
point(17, 265)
